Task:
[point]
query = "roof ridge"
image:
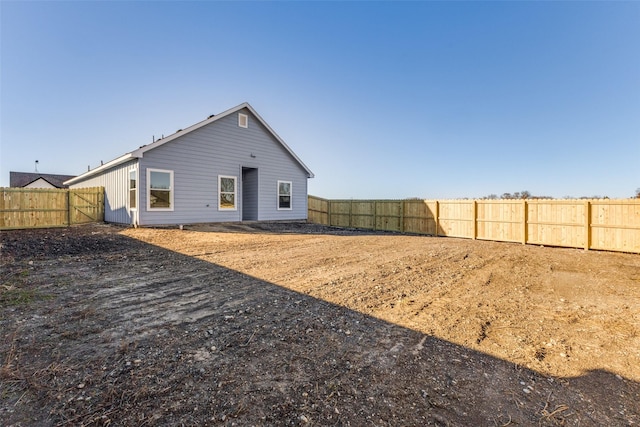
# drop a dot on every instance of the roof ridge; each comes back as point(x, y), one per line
point(139, 152)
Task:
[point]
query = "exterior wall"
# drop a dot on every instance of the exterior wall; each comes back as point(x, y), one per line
point(222, 148)
point(197, 159)
point(39, 183)
point(116, 188)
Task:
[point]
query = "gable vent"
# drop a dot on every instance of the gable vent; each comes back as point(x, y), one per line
point(243, 120)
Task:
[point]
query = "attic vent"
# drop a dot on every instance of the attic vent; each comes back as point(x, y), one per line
point(243, 120)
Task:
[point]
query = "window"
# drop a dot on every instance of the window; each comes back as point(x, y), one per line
point(284, 195)
point(133, 185)
point(160, 194)
point(243, 120)
point(227, 189)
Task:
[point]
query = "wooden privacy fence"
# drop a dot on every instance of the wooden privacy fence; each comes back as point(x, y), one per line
point(612, 225)
point(43, 208)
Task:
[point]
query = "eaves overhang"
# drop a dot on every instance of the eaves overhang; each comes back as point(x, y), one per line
point(115, 162)
point(139, 153)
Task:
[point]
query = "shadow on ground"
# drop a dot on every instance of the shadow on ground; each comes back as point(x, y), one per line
point(119, 332)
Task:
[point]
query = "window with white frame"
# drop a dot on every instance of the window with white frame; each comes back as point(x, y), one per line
point(243, 120)
point(133, 188)
point(284, 195)
point(160, 190)
point(227, 190)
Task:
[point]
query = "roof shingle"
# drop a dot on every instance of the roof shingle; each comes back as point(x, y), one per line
point(22, 179)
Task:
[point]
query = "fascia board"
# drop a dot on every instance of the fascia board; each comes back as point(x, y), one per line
point(101, 168)
point(140, 151)
point(280, 140)
point(40, 178)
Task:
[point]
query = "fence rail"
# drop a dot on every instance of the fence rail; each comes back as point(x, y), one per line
point(44, 208)
point(612, 225)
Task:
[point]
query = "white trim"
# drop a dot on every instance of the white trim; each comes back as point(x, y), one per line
point(171, 191)
point(135, 171)
point(110, 164)
point(243, 120)
point(140, 151)
point(235, 193)
point(40, 183)
point(290, 196)
point(280, 140)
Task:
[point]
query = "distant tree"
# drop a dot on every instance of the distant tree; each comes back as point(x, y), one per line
point(638, 193)
point(597, 196)
point(522, 195)
point(517, 195)
point(494, 197)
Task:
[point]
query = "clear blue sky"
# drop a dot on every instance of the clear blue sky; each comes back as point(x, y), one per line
point(379, 99)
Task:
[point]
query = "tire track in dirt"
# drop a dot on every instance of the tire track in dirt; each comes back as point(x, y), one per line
point(266, 327)
point(501, 298)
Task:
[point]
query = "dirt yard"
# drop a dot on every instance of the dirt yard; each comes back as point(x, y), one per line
point(297, 324)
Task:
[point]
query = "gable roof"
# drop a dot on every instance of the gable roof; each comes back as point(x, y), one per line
point(22, 179)
point(140, 151)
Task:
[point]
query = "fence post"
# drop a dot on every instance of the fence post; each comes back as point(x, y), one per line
point(475, 219)
point(587, 225)
point(375, 218)
point(402, 216)
point(525, 220)
point(68, 207)
point(542, 219)
point(437, 217)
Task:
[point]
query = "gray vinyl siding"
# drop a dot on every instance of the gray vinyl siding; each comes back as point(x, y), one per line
point(223, 148)
point(116, 192)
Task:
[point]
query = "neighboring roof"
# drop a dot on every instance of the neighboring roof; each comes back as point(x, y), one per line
point(22, 179)
point(140, 151)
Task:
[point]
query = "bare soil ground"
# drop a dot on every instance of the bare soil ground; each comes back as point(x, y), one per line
point(298, 324)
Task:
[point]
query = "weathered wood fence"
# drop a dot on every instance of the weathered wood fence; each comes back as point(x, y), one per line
point(612, 225)
point(43, 208)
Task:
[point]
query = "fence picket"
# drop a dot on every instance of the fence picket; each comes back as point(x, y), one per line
point(44, 208)
point(603, 224)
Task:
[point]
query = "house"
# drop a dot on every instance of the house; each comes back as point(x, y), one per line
point(229, 167)
point(37, 180)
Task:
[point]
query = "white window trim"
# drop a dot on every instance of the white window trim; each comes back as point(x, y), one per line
point(135, 171)
point(290, 196)
point(171, 191)
point(235, 193)
point(243, 120)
